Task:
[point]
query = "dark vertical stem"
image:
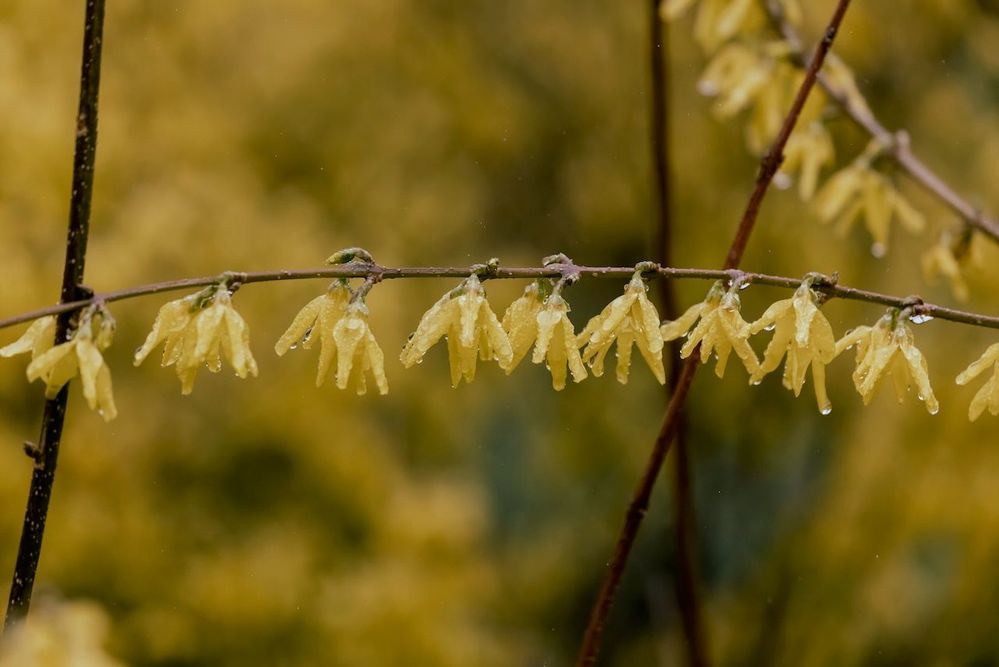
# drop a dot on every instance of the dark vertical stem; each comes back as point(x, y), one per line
point(47, 452)
point(687, 580)
point(639, 506)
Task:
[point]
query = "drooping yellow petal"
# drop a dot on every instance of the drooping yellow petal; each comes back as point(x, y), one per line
point(37, 339)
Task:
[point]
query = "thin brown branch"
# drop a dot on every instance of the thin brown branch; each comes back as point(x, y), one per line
point(47, 452)
point(896, 144)
point(684, 520)
point(827, 286)
point(590, 646)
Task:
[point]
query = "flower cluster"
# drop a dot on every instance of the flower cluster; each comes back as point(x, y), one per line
point(197, 331)
point(203, 329)
point(57, 364)
point(752, 70)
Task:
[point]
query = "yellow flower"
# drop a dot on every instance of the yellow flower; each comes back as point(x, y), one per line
point(319, 316)
point(545, 325)
point(807, 151)
point(803, 337)
point(720, 20)
point(57, 365)
point(471, 327)
point(357, 351)
point(39, 337)
point(988, 395)
point(520, 321)
point(198, 330)
point(858, 190)
point(721, 330)
point(889, 347)
point(629, 319)
point(947, 258)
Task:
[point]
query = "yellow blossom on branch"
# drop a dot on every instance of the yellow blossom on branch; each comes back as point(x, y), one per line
point(630, 319)
point(545, 324)
point(889, 348)
point(807, 151)
point(720, 329)
point(197, 331)
point(316, 320)
point(39, 337)
point(859, 191)
point(55, 365)
point(472, 329)
point(803, 338)
point(988, 395)
point(357, 351)
point(718, 21)
point(948, 258)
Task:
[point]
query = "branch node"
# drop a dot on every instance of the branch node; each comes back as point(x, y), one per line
point(487, 270)
point(33, 452)
point(353, 255)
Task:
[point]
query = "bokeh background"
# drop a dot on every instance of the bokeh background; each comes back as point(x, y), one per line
point(265, 522)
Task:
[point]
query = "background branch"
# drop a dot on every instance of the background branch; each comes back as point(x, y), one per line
point(639, 505)
point(684, 520)
point(47, 453)
point(896, 144)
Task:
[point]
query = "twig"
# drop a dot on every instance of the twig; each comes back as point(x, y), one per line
point(687, 581)
point(896, 143)
point(590, 646)
point(47, 452)
point(830, 289)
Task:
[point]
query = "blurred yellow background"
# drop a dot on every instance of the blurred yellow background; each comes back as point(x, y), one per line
point(264, 522)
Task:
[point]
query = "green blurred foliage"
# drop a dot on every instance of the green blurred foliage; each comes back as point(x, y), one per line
point(267, 522)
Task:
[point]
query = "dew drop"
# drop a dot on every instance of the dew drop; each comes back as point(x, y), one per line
point(782, 181)
point(770, 327)
point(826, 409)
point(934, 409)
point(293, 346)
point(743, 286)
point(756, 383)
point(921, 318)
point(878, 249)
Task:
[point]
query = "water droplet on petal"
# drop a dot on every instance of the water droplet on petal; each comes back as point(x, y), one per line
point(878, 249)
point(756, 382)
point(770, 327)
point(293, 346)
point(826, 409)
point(782, 181)
point(921, 318)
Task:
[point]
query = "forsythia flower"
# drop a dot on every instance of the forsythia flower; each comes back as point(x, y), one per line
point(804, 335)
point(629, 319)
point(39, 337)
point(471, 327)
point(946, 258)
point(807, 151)
point(859, 190)
point(889, 347)
point(344, 336)
point(57, 365)
point(546, 325)
point(721, 330)
point(198, 330)
point(988, 395)
point(719, 20)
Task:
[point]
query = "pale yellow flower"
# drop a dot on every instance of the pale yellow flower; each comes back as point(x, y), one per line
point(471, 327)
point(39, 337)
point(630, 319)
point(857, 191)
point(988, 395)
point(357, 351)
point(948, 258)
point(316, 320)
point(720, 329)
point(807, 151)
point(802, 337)
point(520, 321)
point(198, 330)
point(718, 21)
point(545, 324)
point(56, 365)
point(889, 347)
